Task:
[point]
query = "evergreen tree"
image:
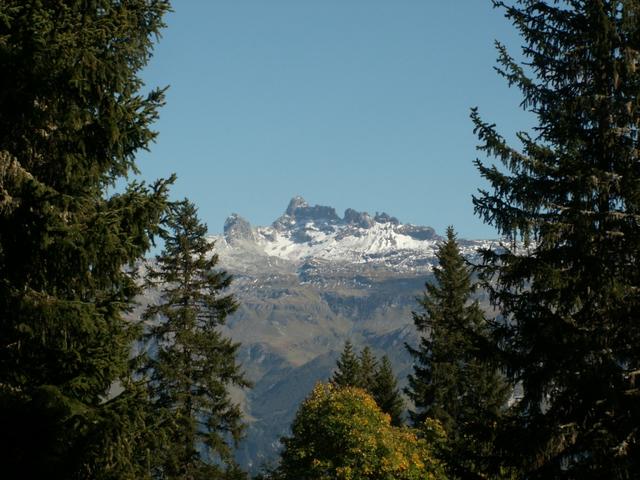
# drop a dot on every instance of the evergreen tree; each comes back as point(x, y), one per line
point(571, 194)
point(452, 383)
point(367, 366)
point(72, 118)
point(347, 373)
point(363, 372)
point(194, 364)
point(385, 392)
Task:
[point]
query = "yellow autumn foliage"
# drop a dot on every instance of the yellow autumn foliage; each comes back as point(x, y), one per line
point(340, 433)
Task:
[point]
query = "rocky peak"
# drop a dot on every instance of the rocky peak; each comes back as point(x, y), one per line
point(296, 203)
point(360, 219)
point(418, 232)
point(237, 228)
point(386, 218)
point(301, 212)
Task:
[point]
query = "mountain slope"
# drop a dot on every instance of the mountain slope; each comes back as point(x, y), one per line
point(306, 284)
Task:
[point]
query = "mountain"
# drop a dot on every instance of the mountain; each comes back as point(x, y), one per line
point(305, 236)
point(306, 284)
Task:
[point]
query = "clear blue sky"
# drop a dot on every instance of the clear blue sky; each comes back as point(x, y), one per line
point(349, 103)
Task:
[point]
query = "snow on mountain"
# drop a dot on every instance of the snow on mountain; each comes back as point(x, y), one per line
point(307, 233)
point(305, 284)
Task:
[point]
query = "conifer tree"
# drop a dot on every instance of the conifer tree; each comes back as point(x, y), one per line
point(347, 373)
point(571, 195)
point(452, 383)
point(72, 117)
point(194, 363)
point(363, 371)
point(385, 392)
point(367, 366)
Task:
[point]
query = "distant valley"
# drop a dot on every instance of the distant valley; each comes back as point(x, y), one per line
point(306, 284)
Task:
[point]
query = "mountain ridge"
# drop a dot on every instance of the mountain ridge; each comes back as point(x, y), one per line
point(306, 233)
point(308, 282)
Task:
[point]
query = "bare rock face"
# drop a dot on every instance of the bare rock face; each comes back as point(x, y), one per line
point(386, 218)
point(236, 229)
point(295, 204)
point(418, 232)
point(302, 212)
point(299, 213)
point(359, 219)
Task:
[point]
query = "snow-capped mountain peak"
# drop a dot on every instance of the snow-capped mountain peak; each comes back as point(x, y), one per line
point(307, 233)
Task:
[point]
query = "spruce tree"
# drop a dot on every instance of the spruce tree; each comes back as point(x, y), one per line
point(72, 118)
point(194, 364)
point(385, 392)
point(367, 366)
point(347, 373)
point(363, 371)
point(567, 201)
point(452, 382)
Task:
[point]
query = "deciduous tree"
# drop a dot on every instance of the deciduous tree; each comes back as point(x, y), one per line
point(341, 433)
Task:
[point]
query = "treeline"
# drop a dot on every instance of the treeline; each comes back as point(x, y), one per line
point(545, 388)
